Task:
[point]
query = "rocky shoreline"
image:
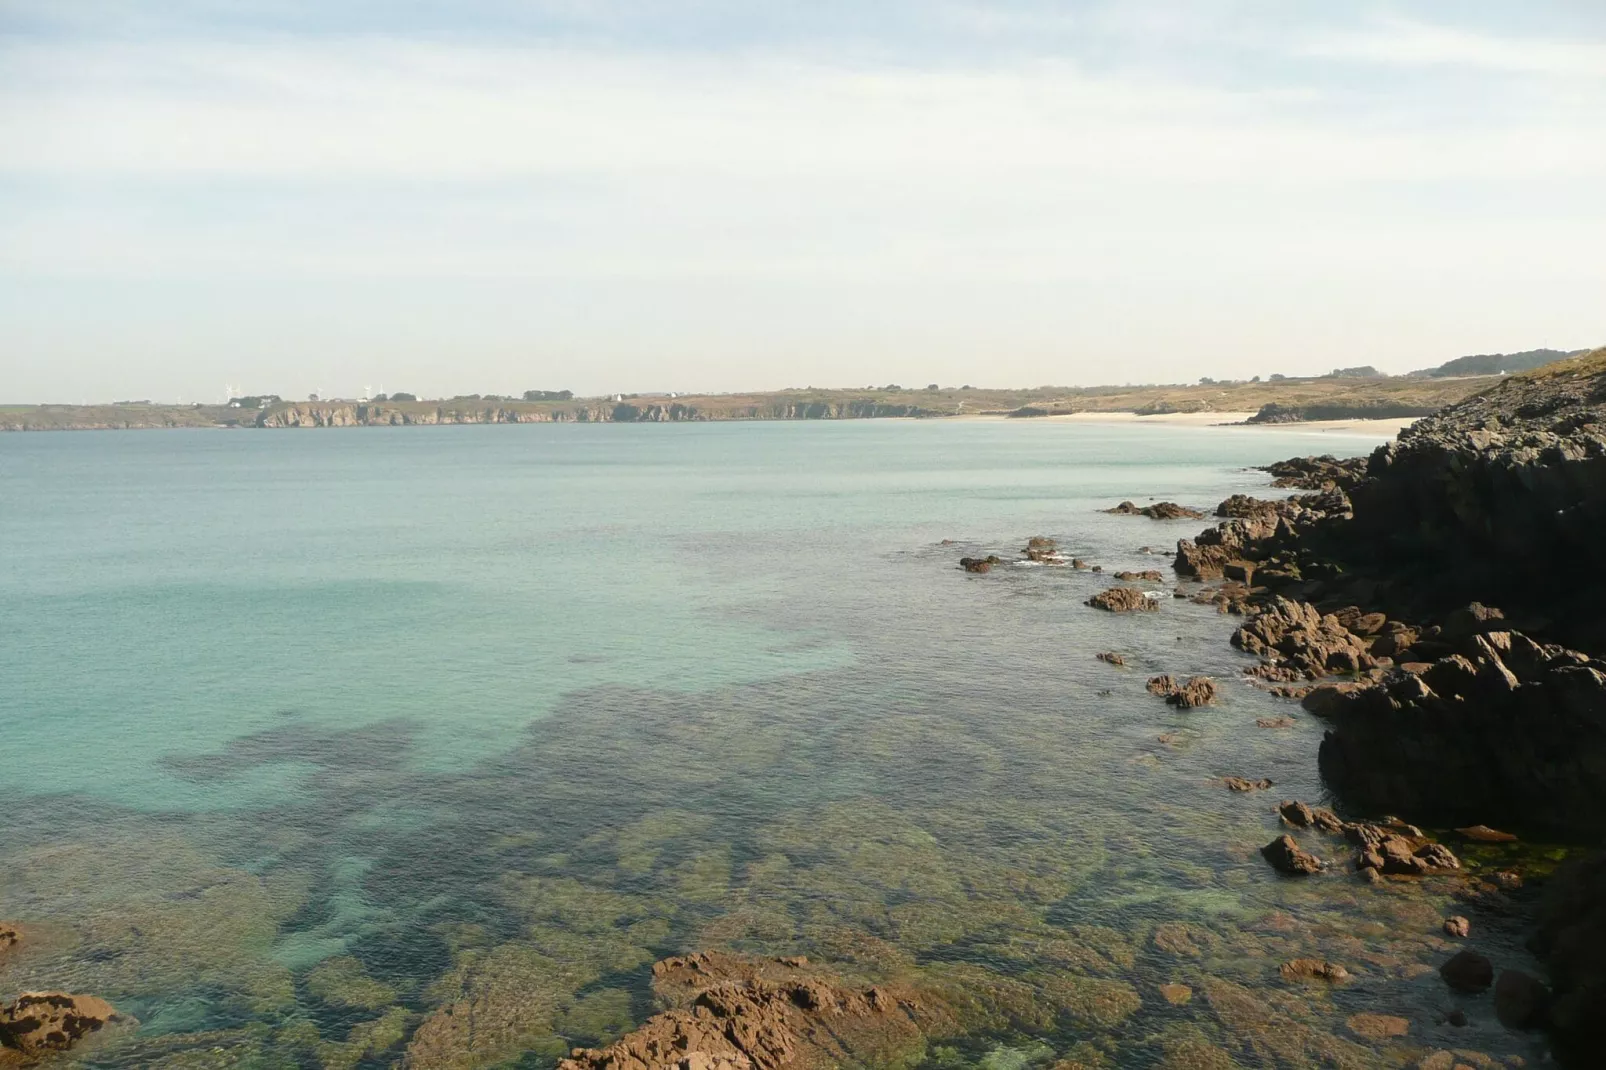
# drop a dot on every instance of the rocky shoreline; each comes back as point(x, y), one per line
point(1438, 605)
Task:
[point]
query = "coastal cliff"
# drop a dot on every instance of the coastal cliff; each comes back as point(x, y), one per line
point(377, 414)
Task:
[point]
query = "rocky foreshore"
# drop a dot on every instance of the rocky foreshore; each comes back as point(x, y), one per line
point(1438, 603)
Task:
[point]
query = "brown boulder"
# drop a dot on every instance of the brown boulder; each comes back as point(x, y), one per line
point(1198, 691)
point(1238, 783)
point(1299, 815)
point(1148, 575)
point(1457, 926)
point(1520, 1001)
point(1286, 856)
point(42, 1023)
point(1157, 511)
point(1468, 971)
point(1111, 658)
point(1162, 686)
point(1123, 600)
point(979, 564)
point(10, 936)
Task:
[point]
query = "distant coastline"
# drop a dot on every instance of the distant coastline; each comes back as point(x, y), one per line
point(1280, 401)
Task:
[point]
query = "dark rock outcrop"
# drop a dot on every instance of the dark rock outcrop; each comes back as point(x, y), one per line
point(1148, 575)
point(979, 564)
point(1570, 938)
point(1468, 971)
point(1507, 729)
point(1197, 691)
point(1043, 550)
point(1303, 642)
point(1520, 1000)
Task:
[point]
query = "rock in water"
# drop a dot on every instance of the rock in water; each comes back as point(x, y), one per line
point(1112, 658)
point(1157, 511)
point(1286, 856)
point(1238, 783)
point(45, 1023)
point(10, 936)
point(739, 1013)
point(1198, 691)
point(979, 564)
point(1148, 575)
point(1485, 834)
point(1468, 971)
point(1162, 686)
point(1313, 970)
point(1123, 600)
point(1457, 926)
point(1520, 1000)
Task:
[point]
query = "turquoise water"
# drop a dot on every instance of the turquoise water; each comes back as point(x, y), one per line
point(309, 734)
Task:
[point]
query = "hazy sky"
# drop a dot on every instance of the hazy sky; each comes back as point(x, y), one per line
point(490, 196)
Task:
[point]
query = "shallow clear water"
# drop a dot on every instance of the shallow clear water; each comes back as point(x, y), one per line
point(308, 734)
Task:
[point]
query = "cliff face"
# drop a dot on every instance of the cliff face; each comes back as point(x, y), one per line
point(1502, 498)
point(351, 414)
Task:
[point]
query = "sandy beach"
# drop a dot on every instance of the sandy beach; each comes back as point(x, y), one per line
point(1388, 427)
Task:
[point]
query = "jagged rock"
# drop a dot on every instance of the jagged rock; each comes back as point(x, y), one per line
point(1509, 729)
point(1162, 686)
point(1297, 636)
point(1112, 658)
point(1313, 970)
point(1198, 691)
point(1148, 575)
point(1457, 926)
point(1123, 600)
point(979, 564)
point(1158, 511)
point(38, 1024)
point(1317, 473)
point(1467, 971)
point(1286, 856)
point(737, 1013)
point(1238, 783)
point(1520, 1000)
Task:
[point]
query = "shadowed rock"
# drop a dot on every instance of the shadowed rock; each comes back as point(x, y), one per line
point(1468, 971)
point(1286, 856)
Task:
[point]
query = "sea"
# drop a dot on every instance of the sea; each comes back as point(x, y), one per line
point(316, 743)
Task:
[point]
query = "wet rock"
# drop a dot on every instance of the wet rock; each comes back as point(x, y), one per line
point(1112, 658)
point(1238, 783)
point(10, 936)
point(1298, 815)
point(38, 1024)
point(1148, 575)
point(1274, 722)
point(1313, 970)
point(1123, 600)
point(1198, 691)
point(738, 1013)
point(1457, 1018)
point(1286, 856)
point(1079, 564)
point(1157, 511)
point(1468, 971)
point(1457, 926)
point(1437, 856)
point(1485, 834)
point(1043, 550)
point(1378, 1026)
point(1520, 1000)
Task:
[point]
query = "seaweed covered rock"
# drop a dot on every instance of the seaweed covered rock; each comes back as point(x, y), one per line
point(38, 1024)
point(731, 1012)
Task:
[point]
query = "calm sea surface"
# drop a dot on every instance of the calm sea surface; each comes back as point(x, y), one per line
point(307, 735)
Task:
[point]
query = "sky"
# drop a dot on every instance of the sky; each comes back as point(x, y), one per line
point(489, 196)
